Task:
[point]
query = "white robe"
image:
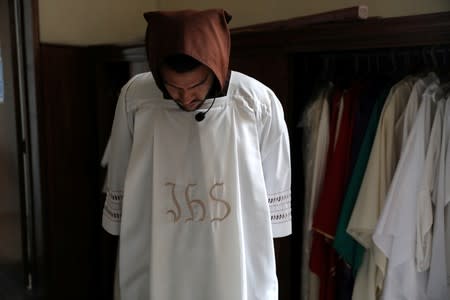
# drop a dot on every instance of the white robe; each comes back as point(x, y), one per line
point(197, 204)
point(395, 233)
point(315, 126)
point(415, 98)
point(447, 196)
point(425, 214)
point(437, 281)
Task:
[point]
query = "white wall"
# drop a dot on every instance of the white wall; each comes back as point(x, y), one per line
point(88, 22)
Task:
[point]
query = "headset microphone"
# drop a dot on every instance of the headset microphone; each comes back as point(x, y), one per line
point(201, 115)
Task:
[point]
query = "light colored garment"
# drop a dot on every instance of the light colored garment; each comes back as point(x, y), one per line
point(377, 178)
point(447, 201)
point(347, 248)
point(437, 288)
point(395, 233)
point(415, 98)
point(197, 204)
point(315, 128)
point(425, 214)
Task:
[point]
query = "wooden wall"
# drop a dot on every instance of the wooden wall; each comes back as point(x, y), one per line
point(70, 177)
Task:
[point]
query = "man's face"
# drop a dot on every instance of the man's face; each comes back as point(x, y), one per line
point(188, 89)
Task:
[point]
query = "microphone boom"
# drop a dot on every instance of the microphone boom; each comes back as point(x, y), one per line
point(201, 115)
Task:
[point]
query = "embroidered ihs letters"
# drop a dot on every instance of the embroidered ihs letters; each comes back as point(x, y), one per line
point(196, 210)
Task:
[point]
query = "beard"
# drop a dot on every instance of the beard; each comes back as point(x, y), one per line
point(196, 105)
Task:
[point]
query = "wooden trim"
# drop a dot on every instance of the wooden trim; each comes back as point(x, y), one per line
point(114, 53)
point(421, 30)
point(372, 33)
point(360, 12)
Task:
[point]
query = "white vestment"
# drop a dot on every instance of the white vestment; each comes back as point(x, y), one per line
point(425, 215)
point(437, 281)
point(315, 126)
point(197, 204)
point(395, 233)
point(447, 195)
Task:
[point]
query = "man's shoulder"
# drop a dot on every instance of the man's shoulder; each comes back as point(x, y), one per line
point(140, 89)
point(142, 85)
point(240, 80)
point(249, 88)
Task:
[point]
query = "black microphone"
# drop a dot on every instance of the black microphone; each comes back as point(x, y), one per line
point(201, 115)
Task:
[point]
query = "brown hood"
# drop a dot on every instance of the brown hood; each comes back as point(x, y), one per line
point(203, 35)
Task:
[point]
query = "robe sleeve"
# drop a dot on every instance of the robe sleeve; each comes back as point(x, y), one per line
point(116, 158)
point(275, 155)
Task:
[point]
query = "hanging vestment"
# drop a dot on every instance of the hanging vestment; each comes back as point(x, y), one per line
point(437, 287)
point(395, 233)
point(447, 197)
point(321, 261)
point(315, 128)
point(326, 216)
point(414, 101)
point(380, 169)
point(344, 244)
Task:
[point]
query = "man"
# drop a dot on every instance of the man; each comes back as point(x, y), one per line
point(198, 170)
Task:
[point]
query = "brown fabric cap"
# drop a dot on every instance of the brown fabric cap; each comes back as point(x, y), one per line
point(203, 35)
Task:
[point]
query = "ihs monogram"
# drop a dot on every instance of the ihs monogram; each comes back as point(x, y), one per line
point(200, 216)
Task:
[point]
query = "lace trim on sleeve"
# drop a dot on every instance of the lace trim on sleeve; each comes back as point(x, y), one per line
point(280, 207)
point(112, 211)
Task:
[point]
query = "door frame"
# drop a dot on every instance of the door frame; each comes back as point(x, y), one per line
point(22, 41)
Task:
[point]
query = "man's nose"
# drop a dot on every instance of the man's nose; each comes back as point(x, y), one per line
point(186, 97)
